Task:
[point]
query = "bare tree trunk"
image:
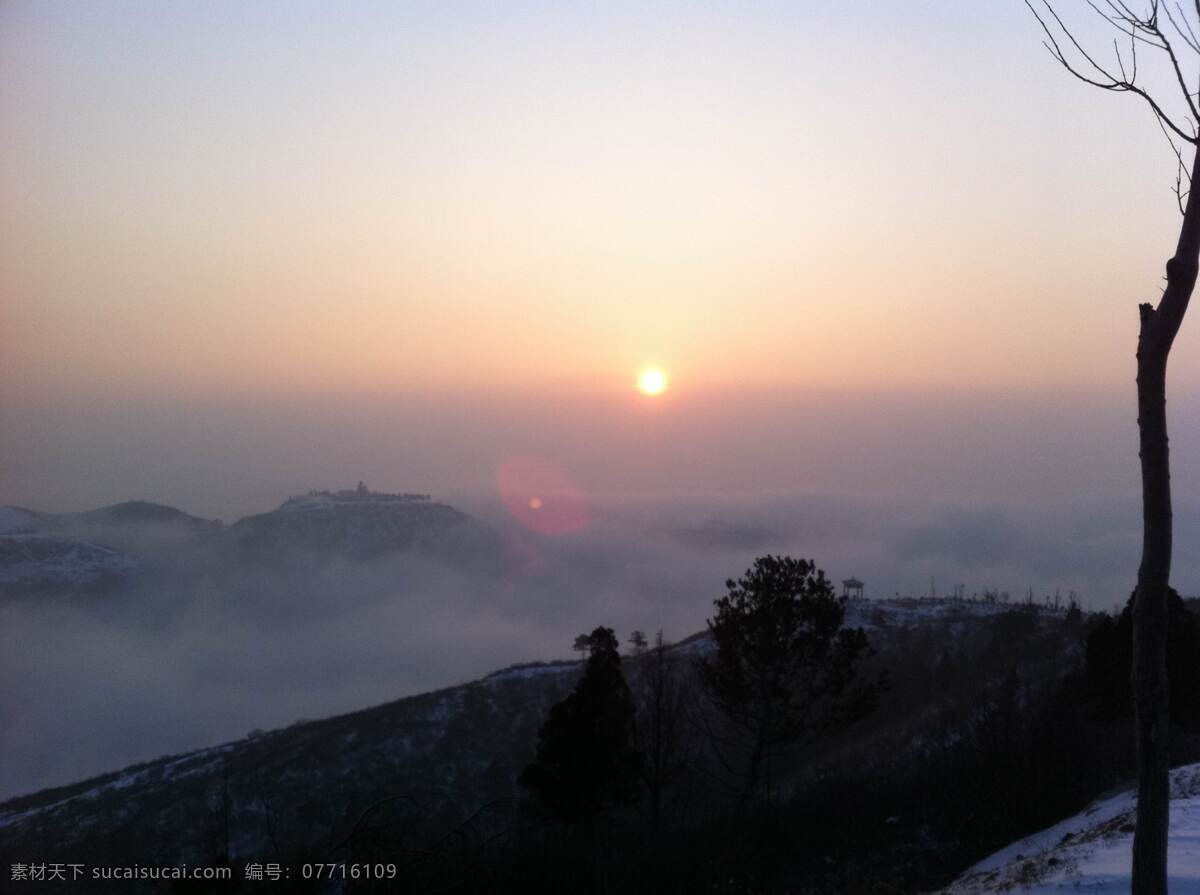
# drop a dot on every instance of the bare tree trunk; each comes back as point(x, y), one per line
point(1158, 328)
point(1150, 633)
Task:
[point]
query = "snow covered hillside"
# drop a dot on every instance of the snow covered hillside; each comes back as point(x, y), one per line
point(461, 744)
point(1090, 852)
point(33, 563)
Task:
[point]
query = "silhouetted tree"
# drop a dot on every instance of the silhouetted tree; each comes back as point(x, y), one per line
point(1073, 620)
point(662, 723)
point(785, 671)
point(638, 641)
point(1163, 29)
point(581, 646)
point(586, 762)
point(1110, 658)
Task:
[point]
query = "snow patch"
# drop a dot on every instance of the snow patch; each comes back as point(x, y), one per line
point(1091, 851)
point(528, 672)
point(39, 560)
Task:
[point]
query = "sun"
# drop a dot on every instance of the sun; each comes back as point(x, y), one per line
point(651, 381)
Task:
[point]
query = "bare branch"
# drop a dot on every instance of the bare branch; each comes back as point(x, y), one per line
point(1130, 27)
point(1103, 78)
point(1178, 71)
point(1181, 169)
point(1133, 51)
point(1124, 11)
point(1189, 37)
point(1071, 37)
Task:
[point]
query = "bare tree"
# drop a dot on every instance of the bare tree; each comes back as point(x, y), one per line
point(1167, 34)
point(661, 725)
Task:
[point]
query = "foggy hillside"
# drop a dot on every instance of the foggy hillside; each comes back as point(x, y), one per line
point(446, 755)
point(323, 605)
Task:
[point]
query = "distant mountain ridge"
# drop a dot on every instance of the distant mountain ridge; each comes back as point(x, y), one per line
point(357, 524)
point(142, 512)
point(102, 549)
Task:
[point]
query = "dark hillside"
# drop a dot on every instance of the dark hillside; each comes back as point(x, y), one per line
point(971, 746)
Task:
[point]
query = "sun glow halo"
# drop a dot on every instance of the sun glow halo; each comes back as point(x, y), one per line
point(651, 381)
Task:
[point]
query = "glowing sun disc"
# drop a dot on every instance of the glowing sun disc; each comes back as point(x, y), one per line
point(651, 381)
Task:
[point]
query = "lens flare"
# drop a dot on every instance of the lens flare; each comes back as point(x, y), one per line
point(542, 496)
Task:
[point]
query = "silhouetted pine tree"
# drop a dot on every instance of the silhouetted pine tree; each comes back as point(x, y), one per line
point(586, 763)
point(786, 671)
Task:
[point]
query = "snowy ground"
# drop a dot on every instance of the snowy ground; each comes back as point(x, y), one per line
point(1090, 852)
point(43, 562)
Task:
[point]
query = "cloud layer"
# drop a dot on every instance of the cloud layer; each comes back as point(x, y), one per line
point(206, 651)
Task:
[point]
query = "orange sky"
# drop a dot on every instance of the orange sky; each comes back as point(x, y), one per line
point(303, 202)
point(553, 200)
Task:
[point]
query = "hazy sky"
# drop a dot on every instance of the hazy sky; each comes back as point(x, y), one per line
point(889, 254)
point(274, 245)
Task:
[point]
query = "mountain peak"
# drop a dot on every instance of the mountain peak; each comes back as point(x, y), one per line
point(138, 512)
point(355, 522)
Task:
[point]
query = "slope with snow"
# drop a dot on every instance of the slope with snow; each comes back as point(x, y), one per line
point(1091, 851)
point(437, 749)
point(36, 563)
point(456, 744)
